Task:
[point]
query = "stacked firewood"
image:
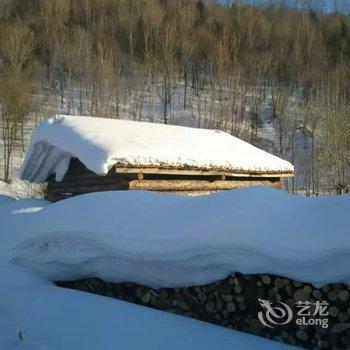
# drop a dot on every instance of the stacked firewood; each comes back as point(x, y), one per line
point(234, 303)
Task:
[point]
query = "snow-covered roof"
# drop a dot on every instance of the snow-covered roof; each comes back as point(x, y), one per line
point(101, 143)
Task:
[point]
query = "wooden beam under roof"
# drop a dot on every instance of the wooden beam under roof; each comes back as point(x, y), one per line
point(199, 172)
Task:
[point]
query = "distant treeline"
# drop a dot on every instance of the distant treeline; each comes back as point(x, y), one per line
point(55, 46)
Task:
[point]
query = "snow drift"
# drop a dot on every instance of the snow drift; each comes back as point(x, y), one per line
point(37, 316)
point(167, 241)
point(100, 143)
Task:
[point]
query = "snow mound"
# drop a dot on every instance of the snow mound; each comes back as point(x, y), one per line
point(100, 143)
point(37, 316)
point(10, 205)
point(167, 241)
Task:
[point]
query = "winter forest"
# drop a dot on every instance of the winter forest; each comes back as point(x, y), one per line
point(276, 77)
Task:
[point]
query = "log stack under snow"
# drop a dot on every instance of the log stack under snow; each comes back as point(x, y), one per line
point(234, 303)
point(77, 155)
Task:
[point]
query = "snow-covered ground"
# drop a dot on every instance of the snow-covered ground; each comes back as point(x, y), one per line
point(162, 240)
point(35, 315)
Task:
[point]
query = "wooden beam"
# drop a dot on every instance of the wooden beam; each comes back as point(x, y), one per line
point(194, 185)
point(222, 174)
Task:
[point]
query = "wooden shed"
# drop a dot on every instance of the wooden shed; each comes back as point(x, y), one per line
point(77, 155)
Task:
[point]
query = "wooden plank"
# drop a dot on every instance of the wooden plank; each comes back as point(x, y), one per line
point(193, 185)
point(135, 170)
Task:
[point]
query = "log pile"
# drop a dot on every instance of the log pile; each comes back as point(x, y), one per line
point(233, 303)
point(196, 185)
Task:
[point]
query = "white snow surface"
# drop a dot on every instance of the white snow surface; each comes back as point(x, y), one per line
point(99, 143)
point(162, 240)
point(35, 315)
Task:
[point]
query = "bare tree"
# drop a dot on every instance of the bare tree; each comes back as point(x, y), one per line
point(17, 43)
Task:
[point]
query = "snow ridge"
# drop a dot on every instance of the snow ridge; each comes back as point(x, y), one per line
point(167, 241)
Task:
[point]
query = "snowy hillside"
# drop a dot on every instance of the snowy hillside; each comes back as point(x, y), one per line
point(201, 112)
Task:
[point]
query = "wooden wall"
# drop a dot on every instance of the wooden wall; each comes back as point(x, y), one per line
point(79, 180)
